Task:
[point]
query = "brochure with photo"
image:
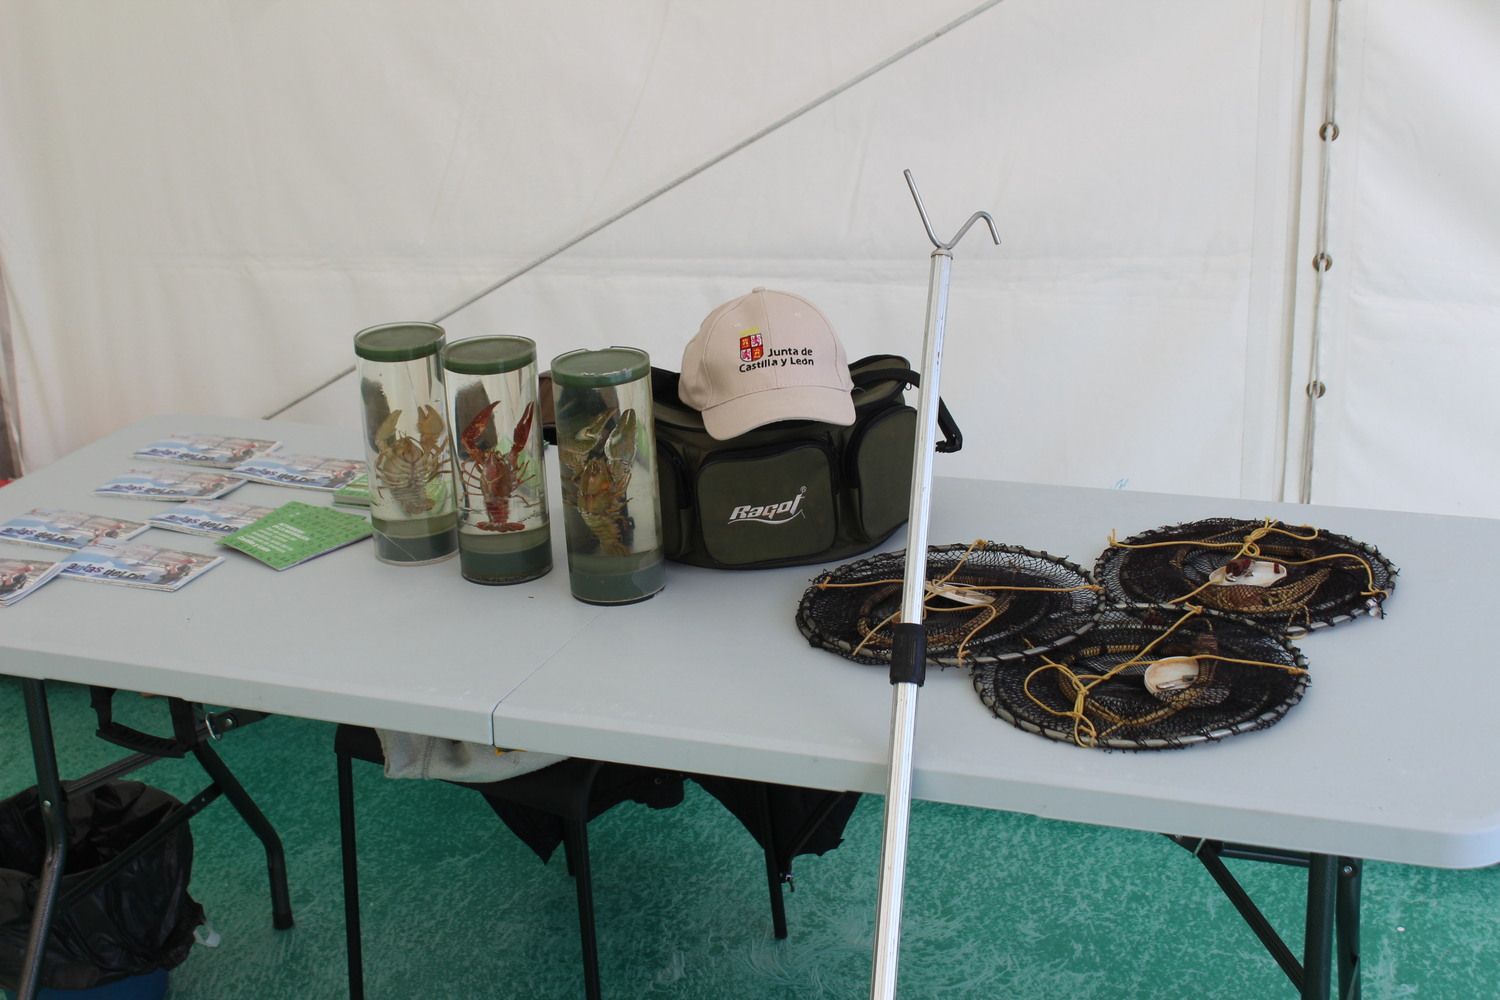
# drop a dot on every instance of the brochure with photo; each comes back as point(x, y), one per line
point(214, 518)
point(213, 450)
point(170, 484)
point(311, 472)
point(19, 577)
point(67, 529)
point(296, 532)
point(356, 493)
point(137, 564)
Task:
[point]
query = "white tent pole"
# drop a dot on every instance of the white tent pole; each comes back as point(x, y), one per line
point(909, 650)
point(1328, 133)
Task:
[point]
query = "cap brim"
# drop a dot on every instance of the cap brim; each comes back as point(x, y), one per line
point(798, 402)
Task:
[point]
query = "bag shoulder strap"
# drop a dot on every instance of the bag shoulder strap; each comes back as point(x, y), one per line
point(876, 368)
point(667, 406)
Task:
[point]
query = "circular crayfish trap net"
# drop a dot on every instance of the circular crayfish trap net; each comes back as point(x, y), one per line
point(1294, 578)
point(1151, 678)
point(985, 603)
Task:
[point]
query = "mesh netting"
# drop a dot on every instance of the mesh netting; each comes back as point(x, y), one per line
point(1094, 692)
point(971, 618)
point(1294, 578)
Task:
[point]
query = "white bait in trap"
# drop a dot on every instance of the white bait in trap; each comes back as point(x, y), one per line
point(1248, 573)
point(1171, 674)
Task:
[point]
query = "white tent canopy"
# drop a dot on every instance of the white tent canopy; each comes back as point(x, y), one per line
point(200, 204)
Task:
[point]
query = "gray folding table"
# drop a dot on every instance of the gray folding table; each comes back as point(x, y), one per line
point(712, 676)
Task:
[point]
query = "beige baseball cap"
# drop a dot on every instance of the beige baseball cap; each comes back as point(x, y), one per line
point(764, 357)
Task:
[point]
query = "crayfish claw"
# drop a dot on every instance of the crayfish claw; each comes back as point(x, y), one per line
point(523, 429)
point(430, 424)
point(622, 439)
point(472, 434)
point(386, 432)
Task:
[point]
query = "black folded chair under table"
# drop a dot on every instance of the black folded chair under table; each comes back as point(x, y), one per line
point(555, 804)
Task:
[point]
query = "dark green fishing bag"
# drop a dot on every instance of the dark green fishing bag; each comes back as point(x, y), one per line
point(792, 492)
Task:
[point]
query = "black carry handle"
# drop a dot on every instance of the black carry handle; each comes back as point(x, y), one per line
point(188, 729)
point(953, 438)
point(177, 745)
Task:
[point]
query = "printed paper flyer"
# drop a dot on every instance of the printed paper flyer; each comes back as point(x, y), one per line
point(136, 564)
point(20, 577)
point(170, 484)
point(214, 450)
point(296, 532)
point(67, 529)
point(214, 518)
point(310, 472)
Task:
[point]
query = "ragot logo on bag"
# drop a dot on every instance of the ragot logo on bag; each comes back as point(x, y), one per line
point(771, 513)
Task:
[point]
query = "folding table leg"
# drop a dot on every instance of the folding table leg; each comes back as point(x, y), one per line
point(54, 808)
point(576, 844)
point(1333, 886)
point(773, 866)
point(1210, 857)
point(281, 901)
point(352, 945)
point(1317, 948)
point(1346, 920)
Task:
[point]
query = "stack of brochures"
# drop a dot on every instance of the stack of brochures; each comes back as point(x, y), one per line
point(137, 564)
point(213, 450)
point(214, 518)
point(355, 494)
point(19, 577)
point(51, 528)
point(170, 484)
point(309, 472)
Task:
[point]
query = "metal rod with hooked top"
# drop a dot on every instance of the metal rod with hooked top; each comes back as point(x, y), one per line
point(927, 224)
point(909, 653)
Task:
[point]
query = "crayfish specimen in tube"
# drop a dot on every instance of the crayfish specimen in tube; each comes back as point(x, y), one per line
point(404, 465)
point(596, 475)
point(497, 476)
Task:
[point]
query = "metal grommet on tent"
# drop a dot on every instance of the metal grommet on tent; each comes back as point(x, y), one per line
point(1322, 261)
point(1328, 131)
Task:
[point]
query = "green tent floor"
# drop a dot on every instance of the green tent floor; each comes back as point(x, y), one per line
point(998, 905)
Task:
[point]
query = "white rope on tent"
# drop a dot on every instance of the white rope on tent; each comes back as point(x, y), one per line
point(749, 140)
point(1328, 132)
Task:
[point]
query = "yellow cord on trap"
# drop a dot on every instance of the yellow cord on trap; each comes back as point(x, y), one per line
point(943, 589)
point(1086, 733)
point(1249, 547)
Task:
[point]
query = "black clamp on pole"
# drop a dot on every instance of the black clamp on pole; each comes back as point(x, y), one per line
point(909, 653)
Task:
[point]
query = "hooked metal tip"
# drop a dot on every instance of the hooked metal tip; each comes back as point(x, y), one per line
point(927, 224)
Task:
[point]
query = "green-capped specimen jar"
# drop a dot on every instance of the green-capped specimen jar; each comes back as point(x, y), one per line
point(407, 442)
point(503, 531)
point(606, 446)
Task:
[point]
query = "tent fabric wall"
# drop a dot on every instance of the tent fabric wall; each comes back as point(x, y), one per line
point(10, 441)
point(202, 203)
point(1120, 278)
